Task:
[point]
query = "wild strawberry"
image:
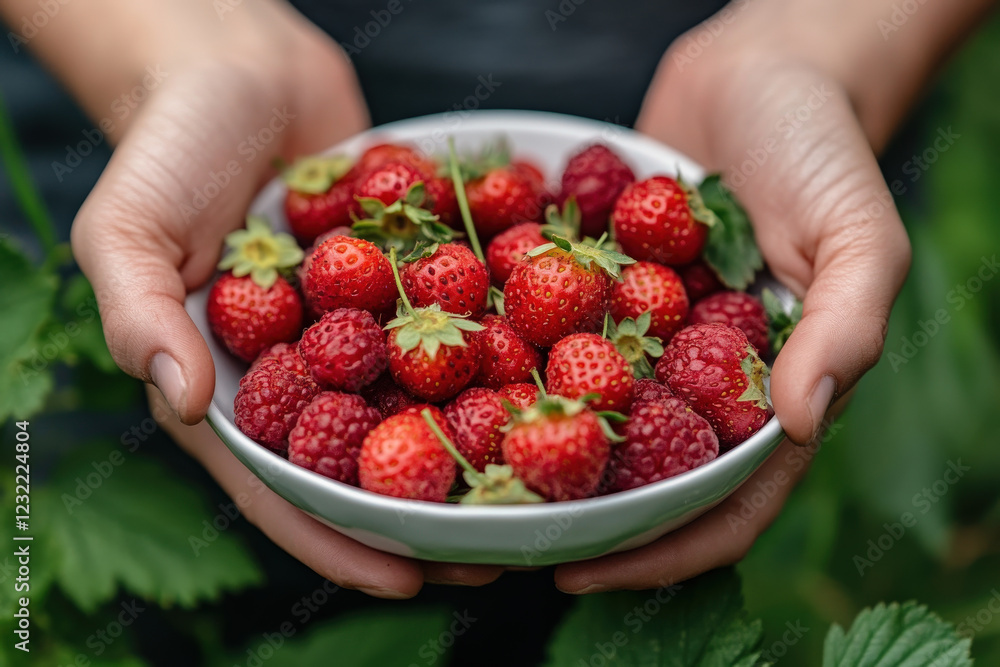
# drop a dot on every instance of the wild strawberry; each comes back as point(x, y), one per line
point(737, 309)
point(559, 448)
point(345, 272)
point(402, 457)
point(560, 289)
point(699, 280)
point(286, 354)
point(585, 364)
point(451, 277)
point(328, 434)
point(476, 417)
point(320, 195)
point(661, 220)
point(509, 247)
point(503, 197)
point(441, 200)
point(521, 395)
point(595, 177)
point(345, 350)
point(388, 397)
point(252, 307)
point(506, 357)
point(269, 402)
point(717, 372)
point(651, 288)
point(648, 389)
point(663, 438)
point(380, 155)
point(388, 183)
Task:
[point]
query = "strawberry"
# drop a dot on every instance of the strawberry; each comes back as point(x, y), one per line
point(402, 457)
point(269, 402)
point(476, 417)
point(595, 177)
point(509, 247)
point(629, 337)
point(320, 195)
point(737, 309)
point(432, 354)
point(450, 276)
point(586, 364)
point(521, 395)
point(252, 307)
point(561, 288)
point(388, 397)
point(403, 223)
point(441, 200)
point(663, 438)
point(648, 389)
point(388, 183)
point(559, 448)
point(286, 354)
point(716, 371)
point(506, 356)
point(328, 434)
point(344, 272)
point(661, 220)
point(345, 350)
point(699, 280)
point(380, 155)
point(503, 197)
point(651, 288)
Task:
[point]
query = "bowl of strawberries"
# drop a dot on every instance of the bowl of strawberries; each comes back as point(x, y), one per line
point(518, 339)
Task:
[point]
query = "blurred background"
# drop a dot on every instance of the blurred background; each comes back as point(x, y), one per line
point(152, 567)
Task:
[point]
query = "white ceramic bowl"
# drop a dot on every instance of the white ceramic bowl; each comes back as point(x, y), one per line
point(524, 535)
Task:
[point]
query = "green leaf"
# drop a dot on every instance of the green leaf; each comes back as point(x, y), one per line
point(700, 623)
point(731, 249)
point(780, 322)
point(83, 324)
point(906, 635)
point(117, 519)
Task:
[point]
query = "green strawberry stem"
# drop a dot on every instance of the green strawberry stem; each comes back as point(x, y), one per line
point(449, 445)
point(463, 201)
point(539, 383)
point(399, 284)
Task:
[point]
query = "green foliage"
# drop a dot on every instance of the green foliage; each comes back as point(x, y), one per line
point(731, 249)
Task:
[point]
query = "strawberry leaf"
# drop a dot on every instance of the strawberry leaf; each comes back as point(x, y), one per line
point(731, 250)
point(402, 225)
point(315, 175)
point(260, 253)
point(629, 337)
point(780, 322)
point(431, 328)
point(755, 370)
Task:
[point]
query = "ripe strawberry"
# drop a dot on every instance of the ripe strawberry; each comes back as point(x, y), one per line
point(509, 247)
point(269, 402)
point(286, 354)
point(328, 435)
point(506, 357)
point(534, 174)
point(716, 371)
point(559, 448)
point(661, 220)
point(699, 280)
point(451, 277)
point(584, 364)
point(648, 389)
point(560, 289)
point(344, 272)
point(595, 177)
point(388, 183)
point(345, 350)
point(737, 309)
point(651, 288)
point(382, 154)
point(320, 195)
point(402, 457)
point(441, 201)
point(519, 394)
point(504, 197)
point(476, 417)
point(663, 438)
point(388, 397)
point(252, 307)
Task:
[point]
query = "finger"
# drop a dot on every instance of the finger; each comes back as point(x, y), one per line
point(719, 538)
point(458, 574)
point(331, 555)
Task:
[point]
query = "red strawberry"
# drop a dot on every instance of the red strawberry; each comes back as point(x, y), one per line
point(345, 350)
point(502, 198)
point(269, 402)
point(737, 309)
point(506, 356)
point(509, 247)
point(344, 272)
point(402, 457)
point(652, 288)
point(388, 184)
point(320, 195)
point(388, 397)
point(716, 371)
point(661, 220)
point(451, 277)
point(560, 289)
point(519, 394)
point(382, 154)
point(595, 177)
point(559, 448)
point(328, 435)
point(663, 438)
point(648, 389)
point(533, 173)
point(476, 417)
point(286, 354)
point(584, 364)
point(441, 201)
point(699, 280)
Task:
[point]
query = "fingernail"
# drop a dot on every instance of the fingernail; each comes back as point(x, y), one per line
point(819, 401)
point(384, 593)
point(168, 378)
point(587, 590)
